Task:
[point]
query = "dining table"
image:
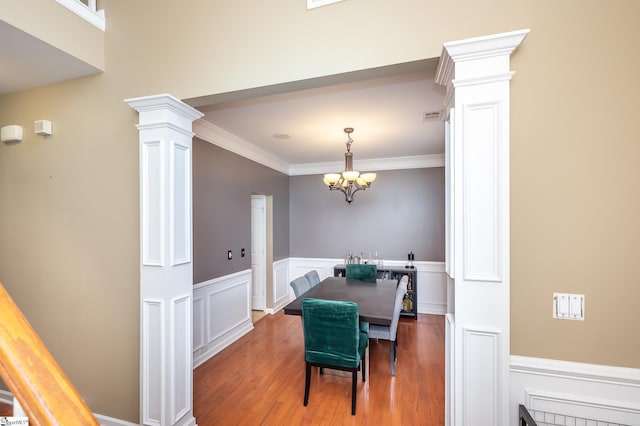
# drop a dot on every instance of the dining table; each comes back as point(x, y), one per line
point(375, 298)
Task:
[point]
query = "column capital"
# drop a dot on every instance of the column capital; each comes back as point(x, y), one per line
point(485, 46)
point(152, 109)
point(492, 51)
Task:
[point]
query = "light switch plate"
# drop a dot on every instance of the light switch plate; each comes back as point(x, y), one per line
point(568, 306)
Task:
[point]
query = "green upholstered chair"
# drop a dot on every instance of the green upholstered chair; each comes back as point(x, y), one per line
point(333, 339)
point(313, 277)
point(300, 285)
point(361, 271)
point(390, 332)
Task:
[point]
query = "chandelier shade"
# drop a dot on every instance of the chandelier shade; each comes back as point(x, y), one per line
point(349, 181)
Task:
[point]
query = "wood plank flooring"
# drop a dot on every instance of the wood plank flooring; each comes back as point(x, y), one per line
point(259, 380)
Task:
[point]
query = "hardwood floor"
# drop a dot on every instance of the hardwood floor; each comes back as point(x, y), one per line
point(260, 380)
point(257, 316)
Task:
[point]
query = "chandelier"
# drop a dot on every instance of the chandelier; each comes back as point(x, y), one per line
point(350, 181)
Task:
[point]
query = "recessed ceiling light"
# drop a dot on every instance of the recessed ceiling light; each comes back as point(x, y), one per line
point(281, 136)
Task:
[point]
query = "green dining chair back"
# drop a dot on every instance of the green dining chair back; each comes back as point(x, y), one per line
point(333, 339)
point(361, 271)
point(390, 332)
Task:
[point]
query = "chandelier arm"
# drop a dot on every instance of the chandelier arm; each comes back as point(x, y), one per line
point(347, 196)
point(358, 188)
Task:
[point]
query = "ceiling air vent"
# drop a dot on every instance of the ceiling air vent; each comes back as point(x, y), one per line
point(431, 116)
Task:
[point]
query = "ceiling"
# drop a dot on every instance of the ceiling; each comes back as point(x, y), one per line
point(304, 125)
point(299, 122)
point(27, 62)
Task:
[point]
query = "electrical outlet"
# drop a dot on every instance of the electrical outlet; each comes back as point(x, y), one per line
point(242, 253)
point(229, 254)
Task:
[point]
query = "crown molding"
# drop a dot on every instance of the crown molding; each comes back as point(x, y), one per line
point(377, 164)
point(483, 47)
point(215, 135)
point(220, 137)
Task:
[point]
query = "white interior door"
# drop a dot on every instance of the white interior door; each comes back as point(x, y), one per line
point(258, 252)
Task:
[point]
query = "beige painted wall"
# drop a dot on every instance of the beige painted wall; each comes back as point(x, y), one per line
point(574, 167)
point(69, 203)
point(58, 27)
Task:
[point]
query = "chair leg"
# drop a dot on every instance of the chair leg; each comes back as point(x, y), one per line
point(354, 380)
point(392, 357)
point(364, 365)
point(307, 382)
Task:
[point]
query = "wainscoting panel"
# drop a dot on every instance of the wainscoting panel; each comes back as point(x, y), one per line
point(198, 323)
point(180, 192)
point(226, 313)
point(180, 353)
point(481, 387)
point(152, 360)
point(482, 209)
point(432, 288)
point(449, 354)
point(151, 175)
point(574, 392)
point(280, 285)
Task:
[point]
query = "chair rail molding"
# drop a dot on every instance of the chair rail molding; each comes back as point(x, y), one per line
point(476, 74)
point(599, 393)
point(166, 268)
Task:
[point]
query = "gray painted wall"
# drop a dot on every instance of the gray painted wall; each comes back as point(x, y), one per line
point(402, 212)
point(222, 186)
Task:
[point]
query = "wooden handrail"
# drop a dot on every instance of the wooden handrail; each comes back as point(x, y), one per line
point(33, 375)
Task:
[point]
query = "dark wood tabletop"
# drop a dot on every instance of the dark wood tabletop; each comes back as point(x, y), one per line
point(375, 299)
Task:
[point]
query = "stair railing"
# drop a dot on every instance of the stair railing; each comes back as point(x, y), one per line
point(33, 376)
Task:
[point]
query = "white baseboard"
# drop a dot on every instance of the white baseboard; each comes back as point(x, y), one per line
point(6, 397)
point(110, 421)
point(575, 390)
point(432, 308)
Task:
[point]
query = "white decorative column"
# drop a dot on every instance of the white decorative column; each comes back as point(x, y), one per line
point(166, 269)
point(476, 73)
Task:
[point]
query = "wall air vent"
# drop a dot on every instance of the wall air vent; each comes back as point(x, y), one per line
point(431, 116)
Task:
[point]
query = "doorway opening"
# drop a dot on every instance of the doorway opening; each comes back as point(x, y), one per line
point(261, 254)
